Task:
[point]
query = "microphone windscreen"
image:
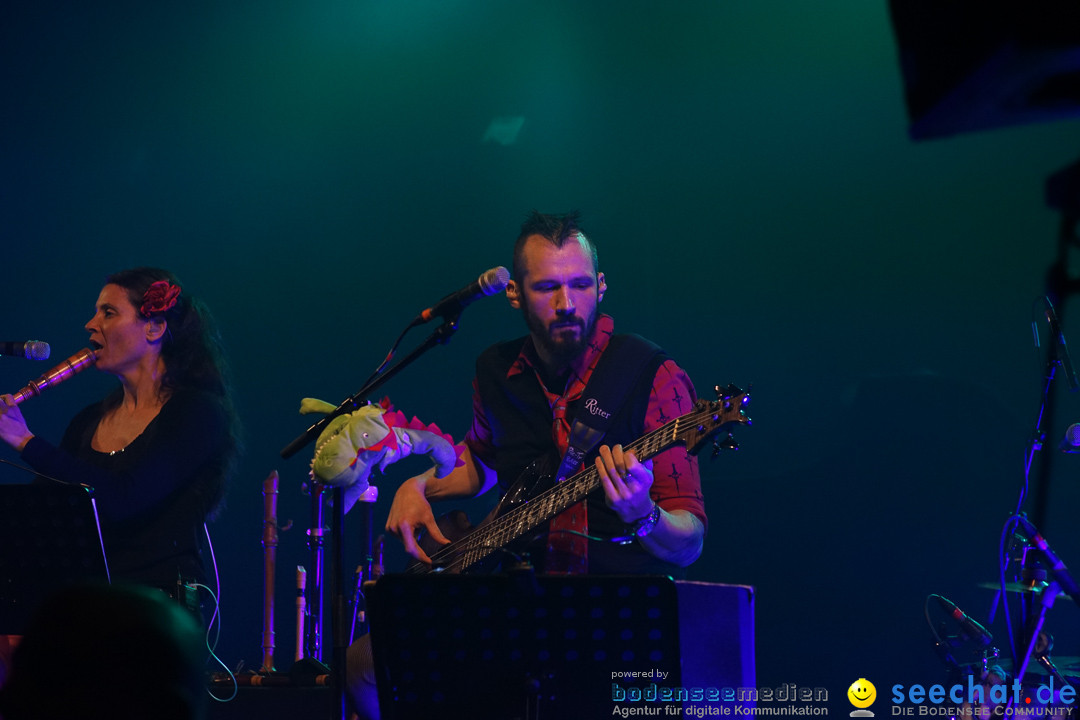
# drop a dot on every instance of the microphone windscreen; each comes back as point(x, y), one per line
point(37, 350)
point(1070, 443)
point(494, 280)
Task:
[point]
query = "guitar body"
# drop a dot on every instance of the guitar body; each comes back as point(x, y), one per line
point(455, 525)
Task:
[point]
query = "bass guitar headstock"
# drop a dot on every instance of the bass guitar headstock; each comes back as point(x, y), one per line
point(712, 417)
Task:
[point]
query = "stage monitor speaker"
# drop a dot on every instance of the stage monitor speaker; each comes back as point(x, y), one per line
point(51, 538)
point(520, 645)
point(972, 65)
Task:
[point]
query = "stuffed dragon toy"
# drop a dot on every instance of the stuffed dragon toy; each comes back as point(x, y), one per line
point(354, 444)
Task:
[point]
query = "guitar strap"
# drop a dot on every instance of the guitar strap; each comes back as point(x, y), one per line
point(618, 369)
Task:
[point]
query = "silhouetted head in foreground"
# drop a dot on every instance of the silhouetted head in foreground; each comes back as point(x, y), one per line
point(101, 651)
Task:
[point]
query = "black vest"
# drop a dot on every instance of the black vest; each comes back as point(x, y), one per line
point(520, 419)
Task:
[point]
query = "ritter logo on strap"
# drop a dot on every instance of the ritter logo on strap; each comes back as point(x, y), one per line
point(594, 408)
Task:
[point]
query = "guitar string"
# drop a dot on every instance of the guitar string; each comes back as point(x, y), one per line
point(522, 518)
point(519, 520)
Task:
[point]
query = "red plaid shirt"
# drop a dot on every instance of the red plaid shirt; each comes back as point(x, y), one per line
point(676, 480)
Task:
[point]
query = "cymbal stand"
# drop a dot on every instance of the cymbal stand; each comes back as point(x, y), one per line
point(1036, 641)
point(1037, 644)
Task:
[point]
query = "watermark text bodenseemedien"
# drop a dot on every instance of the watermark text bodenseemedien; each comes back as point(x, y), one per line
point(788, 692)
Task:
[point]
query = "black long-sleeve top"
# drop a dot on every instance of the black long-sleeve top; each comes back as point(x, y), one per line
point(155, 494)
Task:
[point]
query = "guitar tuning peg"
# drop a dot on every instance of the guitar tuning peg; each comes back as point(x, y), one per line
point(732, 391)
point(726, 443)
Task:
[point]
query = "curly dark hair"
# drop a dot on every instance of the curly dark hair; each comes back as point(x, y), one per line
point(191, 349)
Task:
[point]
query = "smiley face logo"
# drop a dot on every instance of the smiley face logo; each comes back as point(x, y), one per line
point(862, 694)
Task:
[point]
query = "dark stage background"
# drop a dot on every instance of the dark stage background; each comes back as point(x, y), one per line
point(321, 170)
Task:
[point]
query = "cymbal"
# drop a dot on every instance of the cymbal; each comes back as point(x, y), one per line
point(1015, 586)
point(1066, 664)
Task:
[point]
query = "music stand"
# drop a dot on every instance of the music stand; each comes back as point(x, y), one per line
point(50, 537)
point(525, 646)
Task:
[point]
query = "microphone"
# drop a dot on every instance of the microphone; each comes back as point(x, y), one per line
point(969, 626)
point(1057, 568)
point(1070, 443)
point(77, 362)
point(489, 283)
point(30, 349)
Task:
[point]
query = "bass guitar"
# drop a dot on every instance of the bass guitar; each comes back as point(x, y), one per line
point(534, 499)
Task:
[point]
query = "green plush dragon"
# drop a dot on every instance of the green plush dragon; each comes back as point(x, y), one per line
point(354, 444)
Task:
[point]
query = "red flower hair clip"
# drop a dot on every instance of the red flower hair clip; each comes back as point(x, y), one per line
point(159, 297)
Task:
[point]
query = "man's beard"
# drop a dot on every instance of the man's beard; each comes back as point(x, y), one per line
point(561, 350)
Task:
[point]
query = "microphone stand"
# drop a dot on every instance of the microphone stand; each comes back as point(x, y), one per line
point(1062, 194)
point(316, 604)
point(441, 336)
point(340, 628)
point(366, 571)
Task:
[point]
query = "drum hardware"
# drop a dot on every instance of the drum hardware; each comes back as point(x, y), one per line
point(1039, 575)
point(1032, 580)
point(988, 655)
point(1014, 587)
point(970, 633)
point(1043, 577)
point(1039, 643)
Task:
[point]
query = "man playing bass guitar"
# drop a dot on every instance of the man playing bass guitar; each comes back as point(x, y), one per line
point(527, 395)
